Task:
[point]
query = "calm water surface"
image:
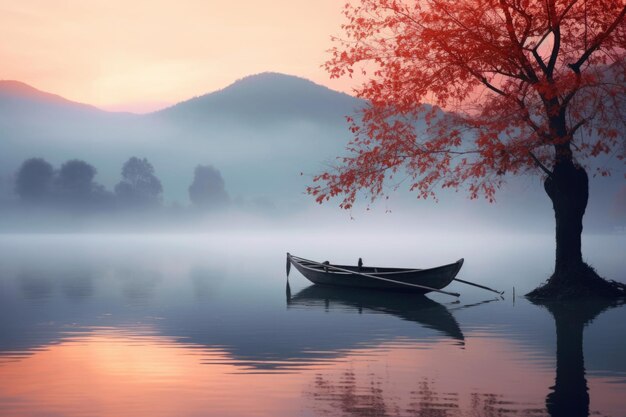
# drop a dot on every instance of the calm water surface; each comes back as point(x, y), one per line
point(152, 325)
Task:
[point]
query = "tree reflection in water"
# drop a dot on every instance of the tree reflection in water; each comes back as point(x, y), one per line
point(364, 394)
point(348, 397)
point(569, 397)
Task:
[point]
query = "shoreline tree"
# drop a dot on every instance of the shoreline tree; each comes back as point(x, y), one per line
point(208, 191)
point(34, 180)
point(528, 87)
point(139, 187)
point(77, 190)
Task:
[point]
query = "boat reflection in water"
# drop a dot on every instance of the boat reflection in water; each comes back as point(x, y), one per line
point(410, 307)
point(99, 327)
point(361, 392)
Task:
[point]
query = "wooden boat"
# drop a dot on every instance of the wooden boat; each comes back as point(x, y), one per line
point(396, 279)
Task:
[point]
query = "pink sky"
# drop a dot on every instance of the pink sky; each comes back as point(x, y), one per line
point(141, 55)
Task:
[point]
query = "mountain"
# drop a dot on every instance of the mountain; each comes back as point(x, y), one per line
point(266, 134)
point(266, 98)
point(19, 102)
point(26, 112)
point(19, 91)
point(261, 132)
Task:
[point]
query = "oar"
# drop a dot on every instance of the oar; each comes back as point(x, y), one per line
point(423, 287)
point(480, 286)
point(474, 304)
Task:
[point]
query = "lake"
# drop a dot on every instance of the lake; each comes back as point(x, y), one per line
point(205, 325)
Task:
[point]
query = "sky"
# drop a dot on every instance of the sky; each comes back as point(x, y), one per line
point(143, 55)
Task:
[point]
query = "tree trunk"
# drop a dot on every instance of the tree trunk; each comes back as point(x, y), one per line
point(568, 188)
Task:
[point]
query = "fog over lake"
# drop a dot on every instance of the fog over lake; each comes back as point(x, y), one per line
point(179, 324)
point(265, 137)
point(142, 272)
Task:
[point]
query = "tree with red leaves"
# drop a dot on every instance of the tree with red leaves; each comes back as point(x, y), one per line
point(464, 92)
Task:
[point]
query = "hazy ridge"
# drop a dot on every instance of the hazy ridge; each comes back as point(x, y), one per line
point(267, 134)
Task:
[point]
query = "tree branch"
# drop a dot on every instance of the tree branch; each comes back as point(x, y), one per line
point(540, 165)
point(577, 126)
point(566, 10)
point(539, 60)
point(556, 31)
point(597, 42)
point(525, 64)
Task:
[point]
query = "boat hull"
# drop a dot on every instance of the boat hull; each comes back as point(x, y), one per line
point(436, 278)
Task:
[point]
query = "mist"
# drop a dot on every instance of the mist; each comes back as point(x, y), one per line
point(238, 159)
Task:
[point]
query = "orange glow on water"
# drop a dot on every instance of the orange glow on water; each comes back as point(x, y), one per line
point(115, 373)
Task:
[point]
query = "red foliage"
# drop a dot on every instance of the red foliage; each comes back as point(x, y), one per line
point(519, 79)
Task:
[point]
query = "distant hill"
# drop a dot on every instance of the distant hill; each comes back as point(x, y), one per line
point(261, 132)
point(20, 102)
point(266, 98)
point(27, 113)
point(12, 91)
point(266, 133)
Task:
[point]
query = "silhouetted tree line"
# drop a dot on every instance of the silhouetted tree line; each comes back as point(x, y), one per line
point(207, 189)
point(38, 183)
